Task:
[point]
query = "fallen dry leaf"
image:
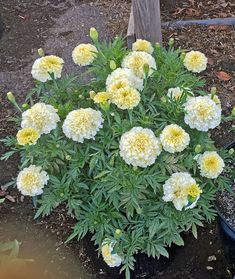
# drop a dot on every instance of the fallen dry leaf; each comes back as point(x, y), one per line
point(10, 198)
point(218, 27)
point(223, 76)
point(192, 12)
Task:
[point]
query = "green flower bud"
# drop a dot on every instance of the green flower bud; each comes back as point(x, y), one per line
point(68, 157)
point(118, 231)
point(146, 69)
point(198, 148)
point(41, 52)
point(94, 35)
point(11, 97)
point(213, 90)
point(182, 56)
point(57, 146)
point(171, 42)
point(25, 106)
point(233, 111)
point(231, 151)
point(105, 106)
point(112, 65)
point(158, 46)
point(61, 194)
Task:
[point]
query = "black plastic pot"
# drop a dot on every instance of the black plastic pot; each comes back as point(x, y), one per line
point(227, 231)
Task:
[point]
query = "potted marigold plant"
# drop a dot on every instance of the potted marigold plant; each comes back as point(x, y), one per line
point(128, 152)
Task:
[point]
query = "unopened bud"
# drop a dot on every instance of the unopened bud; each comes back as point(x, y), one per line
point(25, 106)
point(146, 69)
point(163, 99)
point(11, 97)
point(118, 232)
point(213, 90)
point(57, 146)
point(41, 52)
point(94, 35)
point(182, 56)
point(198, 148)
point(231, 151)
point(92, 94)
point(68, 157)
point(158, 45)
point(171, 42)
point(233, 111)
point(112, 65)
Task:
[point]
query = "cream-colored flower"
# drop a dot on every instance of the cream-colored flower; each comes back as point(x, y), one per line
point(82, 124)
point(142, 45)
point(125, 98)
point(174, 138)
point(31, 181)
point(195, 61)
point(101, 98)
point(84, 54)
point(202, 113)
point(111, 259)
point(41, 117)
point(136, 61)
point(139, 147)
point(210, 164)
point(174, 93)
point(120, 78)
point(46, 65)
point(27, 136)
point(182, 190)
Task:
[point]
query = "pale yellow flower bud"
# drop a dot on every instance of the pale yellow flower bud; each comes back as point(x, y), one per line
point(213, 90)
point(11, 97)
point(198, 148)
point(112, 65)
point(171, 42)
point(41, 52)
point(94, 35)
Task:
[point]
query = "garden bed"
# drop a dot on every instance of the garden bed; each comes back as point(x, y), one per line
point(220, 54)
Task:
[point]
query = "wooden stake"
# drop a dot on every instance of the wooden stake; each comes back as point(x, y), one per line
point(147, 20)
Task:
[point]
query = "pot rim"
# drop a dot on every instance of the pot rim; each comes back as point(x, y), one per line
point(230, 145)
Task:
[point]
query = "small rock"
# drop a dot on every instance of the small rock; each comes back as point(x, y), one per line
point(209, 268)
point(211, 258)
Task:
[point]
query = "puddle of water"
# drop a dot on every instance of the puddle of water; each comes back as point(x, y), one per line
point(52, 260)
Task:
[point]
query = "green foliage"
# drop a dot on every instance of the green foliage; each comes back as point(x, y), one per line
point(98, 188)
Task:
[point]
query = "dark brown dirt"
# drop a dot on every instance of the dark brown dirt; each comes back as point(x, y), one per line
point(57, 26)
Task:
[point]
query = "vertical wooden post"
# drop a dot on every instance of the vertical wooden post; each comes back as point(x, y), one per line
point(147, 20)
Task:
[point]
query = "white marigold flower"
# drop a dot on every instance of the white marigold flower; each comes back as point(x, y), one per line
point(46, 65)
point(125, 98)
point(41, 117)
point(174, 93)
point(111, 259)
point(139, 147)
point(142, 45)
point(31, 181)
point(84, 54)
point(174, 138)
point(182, 190)
point(202, 113)
point(210, 164)
point(195, 61)
point(122, 78)
point(136, 61)
point(82, 124)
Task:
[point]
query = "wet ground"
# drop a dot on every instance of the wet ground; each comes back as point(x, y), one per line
point(58, 26)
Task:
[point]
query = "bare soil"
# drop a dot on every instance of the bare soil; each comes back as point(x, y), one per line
point(57, 26)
